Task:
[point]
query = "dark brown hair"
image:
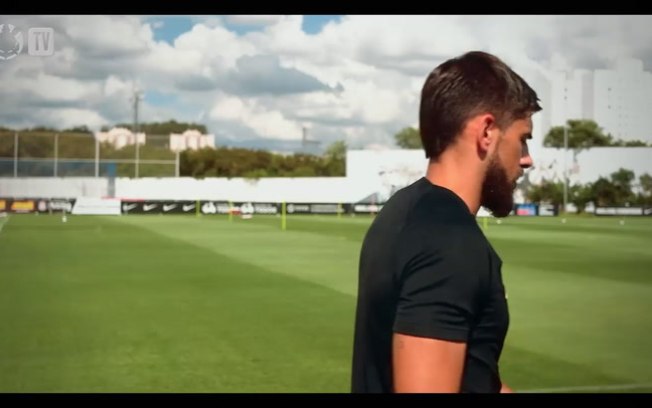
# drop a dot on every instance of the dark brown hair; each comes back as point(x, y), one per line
point(464, 87)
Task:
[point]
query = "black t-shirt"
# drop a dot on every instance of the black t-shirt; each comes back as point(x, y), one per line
point(427, 270)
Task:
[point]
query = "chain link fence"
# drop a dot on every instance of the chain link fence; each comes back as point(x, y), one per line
point(48, 154)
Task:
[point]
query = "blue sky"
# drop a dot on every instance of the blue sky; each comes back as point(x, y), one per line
point(173, 26)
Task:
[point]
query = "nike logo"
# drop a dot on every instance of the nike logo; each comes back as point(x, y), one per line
point(168, 207)
point(188, 207)
point(148, 207)
point(128, 207)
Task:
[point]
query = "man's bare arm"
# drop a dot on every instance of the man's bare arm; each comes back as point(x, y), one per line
point(423, 364)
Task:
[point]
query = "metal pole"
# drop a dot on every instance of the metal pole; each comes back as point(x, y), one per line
point(16, 154)
point(135, 130)
point(565, 169)
point(176, 165)
point(137, 155)
point(56, 153)
point(97, 157)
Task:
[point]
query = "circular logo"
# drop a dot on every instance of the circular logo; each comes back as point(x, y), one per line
point(11, 42)
point(247, 208)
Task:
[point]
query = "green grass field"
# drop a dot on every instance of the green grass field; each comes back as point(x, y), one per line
point(186, 304)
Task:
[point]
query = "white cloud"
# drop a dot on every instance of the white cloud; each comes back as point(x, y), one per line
point(113, 85)
point(264, 121)
point(108, 36)
point(228, 108)
point(70, 117)
point(358, 78)
point(50, 88)
point(216, 47)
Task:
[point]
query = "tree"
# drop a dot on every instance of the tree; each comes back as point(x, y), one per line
point(622, 181)
point(336, 151)
point(623, 178)
point(580, 195)
point(547, 192)
point(604, 193)
point(165, 128)
point(408, 138)
point(78, 129)
point(645, 197)
point(645, 180)
point(582, 134)
point(335, 159)
point(629, 143)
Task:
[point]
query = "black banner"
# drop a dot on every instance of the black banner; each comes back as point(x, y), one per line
point(223, 207)
point(31, 205)
point(158, 207)
point(367, 208)
point(206, 207)
point(316, 208)
point(532, 209)
point(620, 211)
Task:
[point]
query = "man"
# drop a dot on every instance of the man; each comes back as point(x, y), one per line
point(432, 311)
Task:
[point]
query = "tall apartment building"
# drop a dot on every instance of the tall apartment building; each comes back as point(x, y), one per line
point(619, 100)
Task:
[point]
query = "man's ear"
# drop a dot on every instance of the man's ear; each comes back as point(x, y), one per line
point(487, 133)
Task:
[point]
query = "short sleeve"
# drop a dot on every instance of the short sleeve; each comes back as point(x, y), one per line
point(439, 290)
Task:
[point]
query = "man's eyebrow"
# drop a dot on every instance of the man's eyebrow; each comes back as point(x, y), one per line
point(527, 135)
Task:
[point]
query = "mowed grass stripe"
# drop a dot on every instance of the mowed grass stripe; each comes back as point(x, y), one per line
point(568, 329)
point(582, 321)
point(617, 255)
point(326, 259)
point(98, 306)
point(522, 369)
point(583, 305)
point(558, 307)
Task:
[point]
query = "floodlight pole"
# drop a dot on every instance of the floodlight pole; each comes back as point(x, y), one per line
point(137, 96)
point(565, 169)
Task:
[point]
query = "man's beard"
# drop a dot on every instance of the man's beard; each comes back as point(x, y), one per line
point(497, 191)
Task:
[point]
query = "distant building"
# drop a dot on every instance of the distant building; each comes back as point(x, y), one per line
point(619, 100)
point(383, 172)
point(623, 100)
point(120, 137)
point(191, 139)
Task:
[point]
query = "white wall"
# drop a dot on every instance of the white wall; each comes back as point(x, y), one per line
point(45, 187)
point(304, 189)
point(308, 189)
point(368, 172)
point(386, 170)
point(589, 165)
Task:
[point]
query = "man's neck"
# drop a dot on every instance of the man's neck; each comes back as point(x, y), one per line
point(454, 173)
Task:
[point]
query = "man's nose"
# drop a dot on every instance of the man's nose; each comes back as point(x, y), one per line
point(526, 159)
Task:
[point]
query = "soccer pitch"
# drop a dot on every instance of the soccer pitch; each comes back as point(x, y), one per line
point(204, 304)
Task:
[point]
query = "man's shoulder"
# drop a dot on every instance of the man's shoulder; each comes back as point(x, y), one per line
point(439, 207)
point(400, 204)
point(425, 209)
point(441, 220)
